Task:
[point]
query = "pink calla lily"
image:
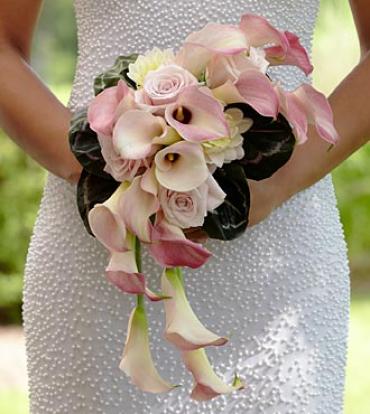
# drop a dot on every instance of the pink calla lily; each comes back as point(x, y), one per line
point(122, 272)
point(134, 132)
point(260, 32)
point(183, 328)
point(293, 110)
point(306, 106)
point(295, 55)
point(136, 207)
point(207, 384)
point(170, 247)
point(181, 166)
point(137, 362)
point(213, 39)
point(197, 116)
point(106, 223)
point(253, 88)
point(318, 111)
point(102, 110)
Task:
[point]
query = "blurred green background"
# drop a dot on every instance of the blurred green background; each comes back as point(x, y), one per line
point(335, 52)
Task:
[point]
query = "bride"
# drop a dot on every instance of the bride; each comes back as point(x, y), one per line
point(283, 287)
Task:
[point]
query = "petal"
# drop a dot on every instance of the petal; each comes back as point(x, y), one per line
point(106, 223)
point(294, 112)
point(134, 132)
point(136, 207)
point(260, 32)
point(203, 118)
point(183, 328)
point(149, 181)
point(122, 272)
point(295, 55)
point(216, 195)
point(102, 110)
point(193, 58)
point(219, 38)
point(170, 247)
point(258, 92)
point(207, 384)
point(318, 111)
point(181, 166)
point(137, 361)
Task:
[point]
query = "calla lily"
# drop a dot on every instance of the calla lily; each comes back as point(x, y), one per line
point(134, 132)
point(197, 116)
point(253, 88)
point(207, 384)
point(136, 207)
point(149, 181)
point(102, 110)
point(306, 106)
point(170, 247)
point(223, 68)
point(260, 32)
point(213, 39)
point(286, 48)
point(137, 361)
point(183, 328)
point(181, 166)
point(318, 112)
point(122, 271)
point(107, 224)
point(295, 55)
point(294, 112)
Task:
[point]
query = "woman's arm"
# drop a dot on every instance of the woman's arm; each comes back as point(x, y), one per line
point(310, 162)
point(29, 113)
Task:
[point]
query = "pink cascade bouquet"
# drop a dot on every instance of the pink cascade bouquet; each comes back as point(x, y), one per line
point(168, 144)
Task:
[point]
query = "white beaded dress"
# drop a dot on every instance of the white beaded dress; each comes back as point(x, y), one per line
point(281, 291)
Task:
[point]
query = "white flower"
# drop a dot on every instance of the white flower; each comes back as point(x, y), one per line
point(144, 64)
point(227, 149)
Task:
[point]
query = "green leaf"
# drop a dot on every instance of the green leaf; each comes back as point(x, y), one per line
point(230, 219)
point(91, 190)
point(268, 144)
point(85, 145)
point(114, 74)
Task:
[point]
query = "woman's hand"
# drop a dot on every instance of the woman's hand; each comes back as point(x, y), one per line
point(29, 113)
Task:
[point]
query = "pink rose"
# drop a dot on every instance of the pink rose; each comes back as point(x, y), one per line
point(162, 86)
point(121, 169)
point(188, 209)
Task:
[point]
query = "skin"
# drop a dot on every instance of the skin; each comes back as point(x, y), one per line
point(39, 125)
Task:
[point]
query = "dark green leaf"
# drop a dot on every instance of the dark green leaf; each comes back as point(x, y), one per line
point(85, 145)
point(230, 219)
point(268, 144)
point(118, 71)
point(91, 190)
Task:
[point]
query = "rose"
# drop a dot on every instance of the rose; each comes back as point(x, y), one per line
point(188, 209)
point(162, 86)
point(119, 168)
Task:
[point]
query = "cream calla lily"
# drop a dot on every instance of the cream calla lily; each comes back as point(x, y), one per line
point(137, 361)
point(134, 133)
point(181, 166)
point(183, 328)
point(208, 384)
point(106, 223)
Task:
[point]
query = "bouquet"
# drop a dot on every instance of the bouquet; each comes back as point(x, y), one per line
point(167, 145)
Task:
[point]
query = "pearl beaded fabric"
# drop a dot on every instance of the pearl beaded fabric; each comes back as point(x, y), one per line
point(281, 291)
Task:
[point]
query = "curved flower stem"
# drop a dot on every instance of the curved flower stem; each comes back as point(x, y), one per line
point(137, 248)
